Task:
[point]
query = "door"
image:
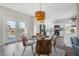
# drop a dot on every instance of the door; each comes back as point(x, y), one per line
point(22, 29)
point(13, 30)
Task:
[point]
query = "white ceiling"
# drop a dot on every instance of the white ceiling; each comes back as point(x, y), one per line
point(53, 10)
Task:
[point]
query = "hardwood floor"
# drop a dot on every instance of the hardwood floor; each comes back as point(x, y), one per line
point(69, 51)
point(61, 49)
point(17, 49)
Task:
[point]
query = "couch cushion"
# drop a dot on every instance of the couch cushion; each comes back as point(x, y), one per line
point(75, 40)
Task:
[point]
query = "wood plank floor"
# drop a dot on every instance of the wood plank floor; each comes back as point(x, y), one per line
point(17, 48)
point(69, 51)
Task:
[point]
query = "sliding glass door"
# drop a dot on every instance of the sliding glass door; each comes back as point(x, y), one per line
point(11, 31)
point(14, 29)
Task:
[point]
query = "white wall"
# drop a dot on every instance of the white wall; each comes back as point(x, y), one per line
point(5, 12)
point(64, 23)
point(78, 20)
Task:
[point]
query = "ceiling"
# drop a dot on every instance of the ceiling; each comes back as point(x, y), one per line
point(53, 10)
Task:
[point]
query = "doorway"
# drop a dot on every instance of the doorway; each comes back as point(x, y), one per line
point(13, 30)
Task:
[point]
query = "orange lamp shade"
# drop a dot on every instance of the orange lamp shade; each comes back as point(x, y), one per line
point(40, 16)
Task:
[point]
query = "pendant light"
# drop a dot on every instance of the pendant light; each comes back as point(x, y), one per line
point(40, 15)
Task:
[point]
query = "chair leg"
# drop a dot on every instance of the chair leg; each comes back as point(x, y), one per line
point(23, 51)
point(35, 53)
point(54, 48)
point(32, 49)
point(13, 54)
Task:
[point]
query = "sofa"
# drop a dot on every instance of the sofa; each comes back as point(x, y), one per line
point(75, 45)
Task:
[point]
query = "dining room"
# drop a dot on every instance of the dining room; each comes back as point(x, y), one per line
point(38, 29)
